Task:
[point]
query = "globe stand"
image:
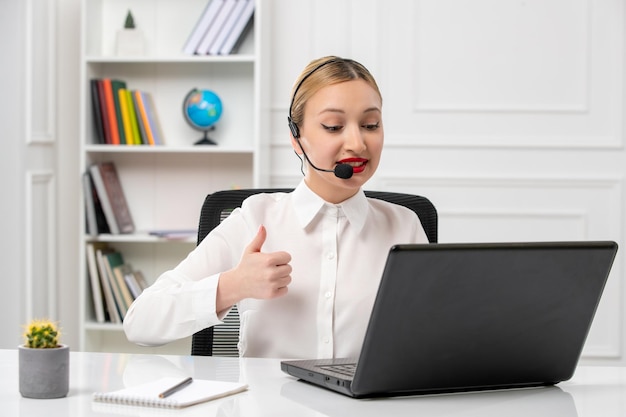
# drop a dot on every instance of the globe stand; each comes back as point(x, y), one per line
point(205, 140)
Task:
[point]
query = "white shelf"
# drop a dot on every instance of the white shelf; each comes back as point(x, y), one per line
point(174, 59)
point(146, 149)
point(139, 238)
point(102, 327)
point(165, 185)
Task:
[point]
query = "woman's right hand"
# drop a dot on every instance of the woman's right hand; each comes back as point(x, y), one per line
point(261, 275)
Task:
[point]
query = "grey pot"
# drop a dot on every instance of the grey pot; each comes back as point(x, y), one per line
point(44, 373)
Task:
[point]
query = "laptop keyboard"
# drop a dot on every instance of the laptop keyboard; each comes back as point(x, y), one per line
point(343, 369)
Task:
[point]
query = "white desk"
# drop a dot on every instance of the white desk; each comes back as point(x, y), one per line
point(594, 391)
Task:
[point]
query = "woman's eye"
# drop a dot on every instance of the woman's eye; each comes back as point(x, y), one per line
point(371, 126)
point(332, 128)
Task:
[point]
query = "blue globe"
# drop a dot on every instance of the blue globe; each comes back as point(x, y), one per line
point(202, 109)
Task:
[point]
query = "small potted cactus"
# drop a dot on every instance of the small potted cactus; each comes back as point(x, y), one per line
point(44, 363)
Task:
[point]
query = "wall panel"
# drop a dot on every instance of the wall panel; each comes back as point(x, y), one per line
point(41, 240)
point(40, 246)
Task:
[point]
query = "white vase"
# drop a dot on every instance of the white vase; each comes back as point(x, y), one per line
point(130, 42)
point(44, 373)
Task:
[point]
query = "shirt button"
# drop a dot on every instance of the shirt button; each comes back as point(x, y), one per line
point(326, 340)
point(330, 255)
point(328, 294)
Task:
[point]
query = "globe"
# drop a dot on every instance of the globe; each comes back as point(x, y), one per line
point(202, 109)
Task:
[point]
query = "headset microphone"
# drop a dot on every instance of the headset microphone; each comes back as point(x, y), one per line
point(343, 171)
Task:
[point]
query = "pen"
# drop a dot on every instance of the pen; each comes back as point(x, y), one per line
point(176, 388)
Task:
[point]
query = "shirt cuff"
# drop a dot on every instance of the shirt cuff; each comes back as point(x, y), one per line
point(203, 302)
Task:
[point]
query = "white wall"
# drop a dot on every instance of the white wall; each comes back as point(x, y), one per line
point(67, 162)
point(11, 219)
point(38, 165)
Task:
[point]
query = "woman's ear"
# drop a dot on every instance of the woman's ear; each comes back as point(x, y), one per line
point(295, 145)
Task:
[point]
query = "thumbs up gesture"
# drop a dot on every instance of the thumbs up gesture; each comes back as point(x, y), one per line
point(261, 275)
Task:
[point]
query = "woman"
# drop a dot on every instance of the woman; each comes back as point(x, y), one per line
point(303, 267)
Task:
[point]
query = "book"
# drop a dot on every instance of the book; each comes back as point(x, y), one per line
point(133, 285)
point(147, 394)
point(240, 29)
point(90, 209)
point(125, 112)
point(228, 26)
point(206, 18)
point(107, 290)
point(111, 195)
point(104, 115)
point(95, 282)
point(143, 284)
point(133, 118)
point(152, 117)
point(136, 282)
point(110, 111)
point(97, 112)
point(143, 134)
point(101, 221)
point(113, 259)
point(120, 272)
point(143, 116)
point(216, 27)
point(174, 234)
point(117, 85)
point(96, 221)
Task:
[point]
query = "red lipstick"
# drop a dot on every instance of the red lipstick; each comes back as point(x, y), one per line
point(358, 164)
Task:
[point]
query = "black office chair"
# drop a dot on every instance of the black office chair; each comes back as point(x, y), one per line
point(221, 340)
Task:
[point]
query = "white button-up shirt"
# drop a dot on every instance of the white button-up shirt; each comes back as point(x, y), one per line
point(338, 252)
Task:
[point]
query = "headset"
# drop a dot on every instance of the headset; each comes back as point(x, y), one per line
point(295, 131)
point(343, 171)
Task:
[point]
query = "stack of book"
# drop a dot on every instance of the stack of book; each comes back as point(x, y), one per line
point(221, 28)
point(122, 116)
point(114, 284)
point(106, 207)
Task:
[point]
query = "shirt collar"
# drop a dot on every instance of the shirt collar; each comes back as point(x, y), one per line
point(307, 205)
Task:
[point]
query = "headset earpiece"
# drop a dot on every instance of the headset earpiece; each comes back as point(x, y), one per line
point(294, 128)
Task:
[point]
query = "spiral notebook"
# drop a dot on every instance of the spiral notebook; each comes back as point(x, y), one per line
point(147, 395)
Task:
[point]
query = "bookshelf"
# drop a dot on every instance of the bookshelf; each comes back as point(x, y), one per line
point(165, 185)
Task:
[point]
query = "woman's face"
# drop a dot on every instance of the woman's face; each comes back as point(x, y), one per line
point(342, 124)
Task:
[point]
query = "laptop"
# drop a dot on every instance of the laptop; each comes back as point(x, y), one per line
point(476, 316)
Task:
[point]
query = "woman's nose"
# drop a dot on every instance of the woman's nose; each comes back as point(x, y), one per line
point(355, 140)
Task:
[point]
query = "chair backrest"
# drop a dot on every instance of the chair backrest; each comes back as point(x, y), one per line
point(221, 340)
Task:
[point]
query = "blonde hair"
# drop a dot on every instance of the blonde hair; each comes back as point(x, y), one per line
point(323, 72)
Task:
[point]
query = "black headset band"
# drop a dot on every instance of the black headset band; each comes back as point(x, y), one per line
point(294, 127)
